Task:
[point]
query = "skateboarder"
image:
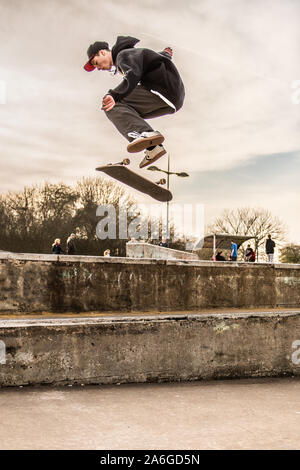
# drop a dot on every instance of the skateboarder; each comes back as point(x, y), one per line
point(151, 87)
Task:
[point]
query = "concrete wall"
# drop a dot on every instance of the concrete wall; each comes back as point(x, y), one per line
point(39, 283)
point(165, 348)
point(146, 250)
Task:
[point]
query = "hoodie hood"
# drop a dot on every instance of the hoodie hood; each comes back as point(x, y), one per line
point(123, 42)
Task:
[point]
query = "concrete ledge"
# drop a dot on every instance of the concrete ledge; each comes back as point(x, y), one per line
point(49, 283)
point(131, 260)
point(154, 349)
point(147, 250)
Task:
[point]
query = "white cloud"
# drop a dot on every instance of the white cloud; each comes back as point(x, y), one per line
point(237, 58)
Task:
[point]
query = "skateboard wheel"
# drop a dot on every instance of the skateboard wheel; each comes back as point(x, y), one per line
point(162, 181)
point(126, 161)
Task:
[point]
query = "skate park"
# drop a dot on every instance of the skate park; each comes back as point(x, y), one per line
point(68, 320)
point(108, 347)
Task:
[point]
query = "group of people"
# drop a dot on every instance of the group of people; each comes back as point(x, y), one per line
point(233, 253)
point(70, 246)
point(250, 255)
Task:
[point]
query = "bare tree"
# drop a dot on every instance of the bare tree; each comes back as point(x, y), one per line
point(32, 218)
point(35, 216)
point(93, 192)
point(252, 222)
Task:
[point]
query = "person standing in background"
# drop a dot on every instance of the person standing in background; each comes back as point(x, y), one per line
point(234, 250)
point(248, 253)
point(270, 245)
point(56, 247)
point(71, 244)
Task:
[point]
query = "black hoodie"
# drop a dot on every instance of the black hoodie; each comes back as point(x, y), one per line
point(270, 244)
point(154, 70)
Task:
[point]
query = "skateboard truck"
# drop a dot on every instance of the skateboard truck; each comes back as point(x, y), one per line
point(125, 161)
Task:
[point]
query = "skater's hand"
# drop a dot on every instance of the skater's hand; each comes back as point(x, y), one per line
point(169, 51)
point(108, 103)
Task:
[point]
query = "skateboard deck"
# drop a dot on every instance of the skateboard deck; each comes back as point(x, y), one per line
point(136, 181)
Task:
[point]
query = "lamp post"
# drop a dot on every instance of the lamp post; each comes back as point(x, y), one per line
point(168, 173)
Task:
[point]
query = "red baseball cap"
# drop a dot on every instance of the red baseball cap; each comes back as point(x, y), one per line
point(92, 51)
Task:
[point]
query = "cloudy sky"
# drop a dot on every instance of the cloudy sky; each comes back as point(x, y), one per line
point(237, 134)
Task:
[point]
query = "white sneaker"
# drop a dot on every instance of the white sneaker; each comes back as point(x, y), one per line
point(144, 140)
point(152, 155)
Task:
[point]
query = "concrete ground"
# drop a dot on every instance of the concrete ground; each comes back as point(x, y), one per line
point(235, 414)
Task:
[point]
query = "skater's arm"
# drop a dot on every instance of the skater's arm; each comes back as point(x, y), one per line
point(130, 65)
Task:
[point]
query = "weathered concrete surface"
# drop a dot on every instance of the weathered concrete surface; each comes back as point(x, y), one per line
point(146, 250)
point(37, 283)
point(231, 414)
point(151, 314)
point(123, 350)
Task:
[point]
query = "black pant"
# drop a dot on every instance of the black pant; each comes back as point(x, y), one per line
point(129, 114)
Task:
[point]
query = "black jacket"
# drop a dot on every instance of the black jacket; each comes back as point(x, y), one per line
point(270, 246)
point(71, 247)
point(57, 249)
point(154, 70)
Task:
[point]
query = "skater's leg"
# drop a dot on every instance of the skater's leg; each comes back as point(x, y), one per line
point(127, 120)
point(128, 115)
point(148, 104)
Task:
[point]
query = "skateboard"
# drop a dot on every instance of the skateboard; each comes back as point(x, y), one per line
point(120, 172)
